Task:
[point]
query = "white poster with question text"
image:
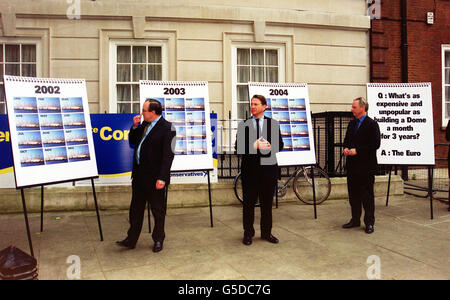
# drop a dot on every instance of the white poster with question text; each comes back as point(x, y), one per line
point(404, 112)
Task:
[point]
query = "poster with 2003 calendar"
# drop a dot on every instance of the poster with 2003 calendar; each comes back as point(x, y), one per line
point(186, 106)
point(50, 127)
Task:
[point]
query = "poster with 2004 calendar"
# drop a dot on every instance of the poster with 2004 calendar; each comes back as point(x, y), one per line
point(186, 106)
point(50, 128)
point(288, 103)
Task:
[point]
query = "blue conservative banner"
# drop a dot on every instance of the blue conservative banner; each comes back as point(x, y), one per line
point(115, 155)
point(6, 162)
point(113, 152)
point(112, 149)
point(213, 117)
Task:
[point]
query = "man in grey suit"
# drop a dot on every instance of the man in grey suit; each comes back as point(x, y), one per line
point(258, 140)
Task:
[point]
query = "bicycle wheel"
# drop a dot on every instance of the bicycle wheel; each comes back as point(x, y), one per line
point(303, 185)
point(238, 189)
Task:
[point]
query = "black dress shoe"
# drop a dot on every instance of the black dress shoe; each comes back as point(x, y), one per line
point(369, 229)
point(126, 243)
point(271, 239)
point(247, 241)
point(158, 246)
point(351, 224)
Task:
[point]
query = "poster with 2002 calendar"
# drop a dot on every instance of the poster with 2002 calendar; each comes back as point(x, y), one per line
point(50, 127)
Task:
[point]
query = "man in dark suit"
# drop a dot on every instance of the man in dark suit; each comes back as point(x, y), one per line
point(153, 156)
point(361, 142)
point(258, 140)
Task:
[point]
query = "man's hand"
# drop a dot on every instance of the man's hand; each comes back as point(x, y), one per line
point(160, 184)
point(261, 144)
point(350, 152)
point(345, 151)
point(137, 121)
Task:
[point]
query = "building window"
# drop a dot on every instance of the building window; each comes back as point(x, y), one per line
point(134, 63)
point(446, 82)
point(254, 65)
point(17, 60)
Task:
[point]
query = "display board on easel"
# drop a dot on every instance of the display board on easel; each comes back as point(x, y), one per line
point(186, 106)
point(50, 134)
point(50, 128)
point(404, 112)
point(288, 103)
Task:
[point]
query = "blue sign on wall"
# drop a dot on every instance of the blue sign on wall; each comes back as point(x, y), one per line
point(6, 161)
point(213, 117)
point(112, 149)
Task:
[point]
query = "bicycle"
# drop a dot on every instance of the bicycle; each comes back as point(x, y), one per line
point(302, 185)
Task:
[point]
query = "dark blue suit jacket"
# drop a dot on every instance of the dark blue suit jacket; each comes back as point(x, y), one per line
point(156, 153)
point(366, 141)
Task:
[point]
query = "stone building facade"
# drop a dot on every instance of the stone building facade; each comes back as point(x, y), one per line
point(113, 44)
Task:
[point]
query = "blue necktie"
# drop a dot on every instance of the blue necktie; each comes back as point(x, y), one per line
point(138, 153)
point(358, 124)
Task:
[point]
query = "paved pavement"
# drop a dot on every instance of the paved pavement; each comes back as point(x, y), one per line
point(406, 244)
